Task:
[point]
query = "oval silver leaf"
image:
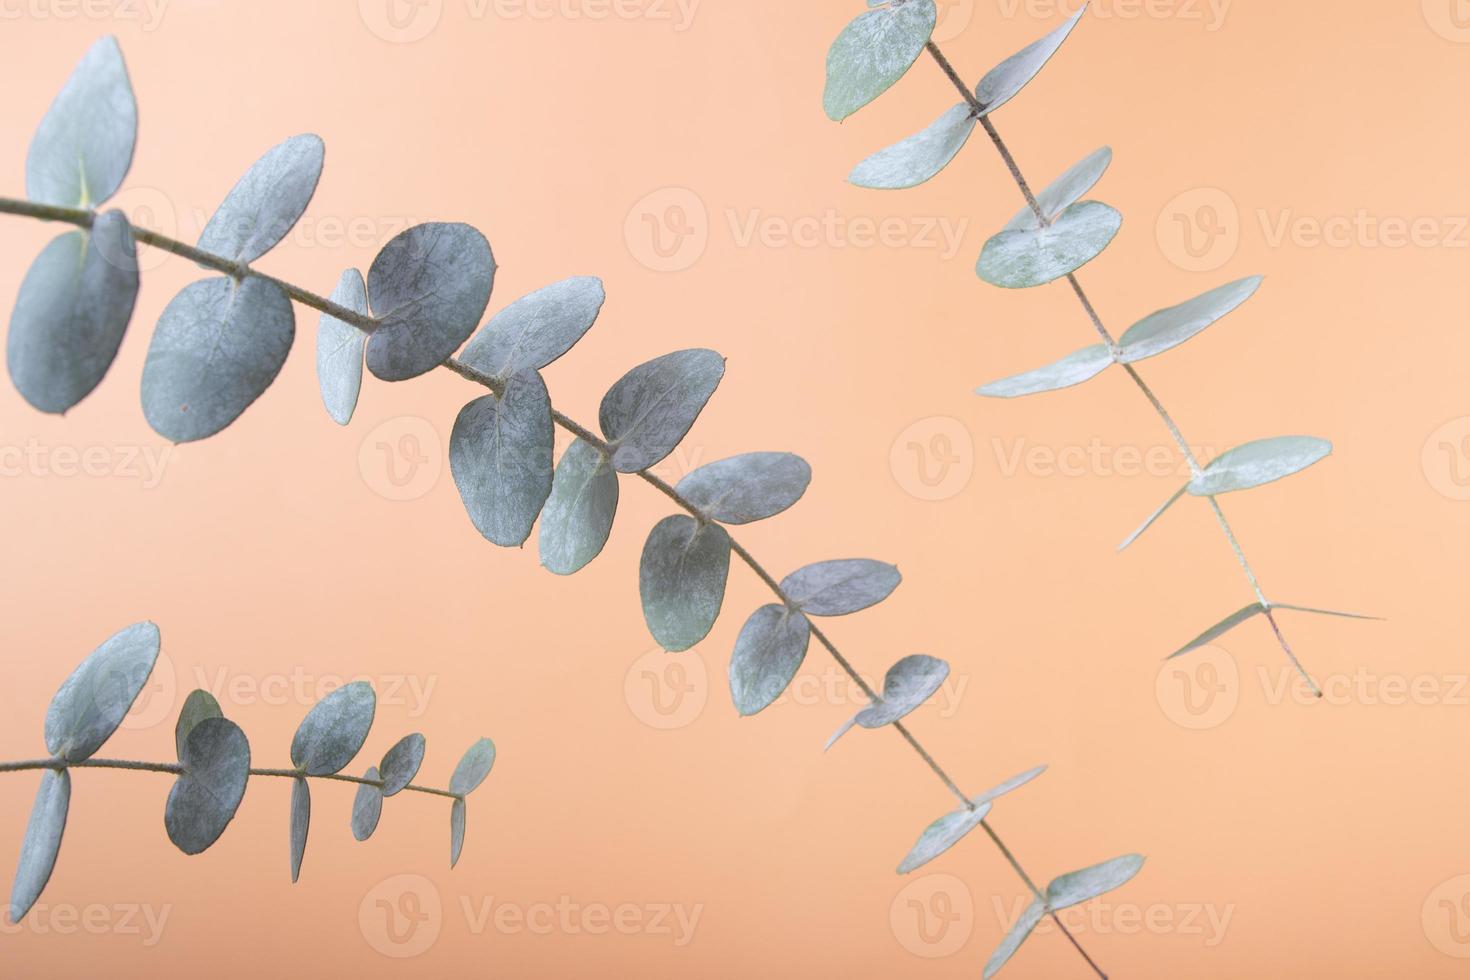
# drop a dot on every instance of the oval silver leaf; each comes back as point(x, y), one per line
point(42, 841)
point(747, 488)
point(500, 452)
point(93, 701)
point(429, 287)
point(1258, 463)
point(1037, 256)
point(1009, 786)
point(941, 835)
point(267, 202)
point(198, 706)
point(367, 807)
point(217, 348)
point(536, 329)
point(300, 824)
point(339, 350)
point(473, 767)
point(1149, 521)
point(84, 145)
point(908, 684)
point(401, 763)
point(1006, 80)
point(652, 407)
point(919, 158)
point(1077, 887)
point(681, 580)
point(840, 587)
point(203, 801)
point(456, 831)
point(1074, 369)
point(768, 653)
point(1167, 329)
point(334, 729)
point(1019, 933)
point(1220, 629)
point(578, 516)
point(1066, 190)
point(874, 51)
point(71, 313)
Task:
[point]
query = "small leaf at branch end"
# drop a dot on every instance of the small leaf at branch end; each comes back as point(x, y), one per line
point(1077, 887)
point(300, 824)
point(1257, 463)
point(428, 288)
point(747, 488)
point(1009, 786)
point(1220, 629)
point(651, 408)
point(367, 807)
point(1325, 612)
point(339, 350)
point(840, 587)
point(473, 767)
point(84, 145)
point(334, 729)
point(42, 841)
point(1074, 369)
point(1037, 256)
point(93, 701)
point(401, 763)
point(874, 51)
point(907, 685)
point(216, 349)
point(199, 705)
point(456, 831)
point(1006, 80)
point(919, 158)
point(71, 313)
point(578, 516)
point(1167, 329)
point(768, 652)
point(1149, 521)
point(267, 202)
point(1066, 190)
point(536, 329)
point(1017, 935)
point(681, 580)
point(941, 835)
point(203, 801)
point(501, 455)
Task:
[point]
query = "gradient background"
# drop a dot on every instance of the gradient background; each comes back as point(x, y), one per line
point(1284, 839)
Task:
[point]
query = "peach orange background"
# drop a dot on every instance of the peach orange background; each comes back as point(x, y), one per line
point(1297, 140)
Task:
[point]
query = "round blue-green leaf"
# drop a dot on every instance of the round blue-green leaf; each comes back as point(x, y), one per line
point(71, 313)
point(681, 579)
point(1005, 81)
point(473, 767)
point(300, 823)
point(653, 406)
point(198, 706)
point(428, 287)
point(873, 52)
point(941, 835)
point(768, 652)
point(1066, 190)
point(908, 684)
point(217, 348)
point(203, 801)
point(93, 701)
point(1258, 463)
point(1167, 329)
point(920, 157)
point(456, 831)
point(84, 145)
point(537, 329)
point(578, 516)
point(840, 587)
point(334, 729)
point(367, 807)
point(1037, 256)
point(746, 488)
point(1089, 883)
point(1074, 369)
point(339, 350)
point(42, 841)
point(401, 763)
point(267, 202)
point(500, 452)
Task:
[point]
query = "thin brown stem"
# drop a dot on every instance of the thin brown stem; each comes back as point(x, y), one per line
point(177, 769)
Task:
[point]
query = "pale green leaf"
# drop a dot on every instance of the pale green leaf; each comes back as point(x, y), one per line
point(747, 488)
point(1220, 629)
point(874, 51)
point(941, 835)
point(83, 147)
point(840, 587)
point(681, 580)
point(1089, 883)
point(907, 685)
point(473, 767)
point(1036, 256)
point(1066, 190)
point(536, 329)
point(95, 698)
point(768, 653)
point(1074, 369)
point(367, 806)
point(339, 350)
point(500, 452)
point(42, 841)
point(401, 763)
point(300, 823)
point(1167, 329)
point(1017, 935)
point(265, 205)
point(578, 516)
point(920, 157)
point(1149, 521)
point(652, 407)
point(456, 831)
point(1258, 463)
point(1006, 80)
point(199, 705)
point(334, 729)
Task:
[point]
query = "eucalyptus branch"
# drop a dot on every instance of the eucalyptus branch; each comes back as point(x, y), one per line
point(177, 769)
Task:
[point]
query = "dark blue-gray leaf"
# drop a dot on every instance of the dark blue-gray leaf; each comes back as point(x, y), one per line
point(1005, 81)
point(941, 835)
point(367, 807)
point(653, 406)
point(339, 350)
point(1018, 934)
point(71, 313)
point(1066, 190)
point(768, 653)
point(334, 729)
point(920, 157)
point(1258, 463)
point(217, 348)
point(1085, 885)
point(401, 763)
point(42, 841)
point(199, 705)
point(537, 329)
point(1167, 329)
point(1073, 369)
point(267, 202)
point(300, 823)
point(456, 831)
point(203, 801)
point(473, 767)
point(578, 516)
point(747, 488)
point(84, 145)
point(93, 701)
point(428, 287)
point(840, 587)
point(500, 452)
point(1037, 256)
point(908, 684)
point(873, 52)
point(681, 579)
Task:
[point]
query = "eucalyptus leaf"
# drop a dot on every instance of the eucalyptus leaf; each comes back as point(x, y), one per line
point(473, 767)
point(401, 763)
point(652, 407)
point(941, 835)
point(1323, 612)
point(873, 52)
point(536, 329)
point(681, 580)
point(747, 488)
point(1066, 190)
point(265, 205)
point(1074, 369)
point(1037, 256)
point(1258, 463)
point(1149, 521)
point(840, 587)
point(578, 516)
point(42, 841)
point(1017, 935)
point(203, 801)
point(428, 287)
point(908, 684)
point(300, 824)
point(456, 831)
point(334, 729)
point(1167, 329)
point(768, 653)
point(71, 313)
point(1006, 80)
point(367, 806)
point(339, 350)
point(93, 701)
point(1220, 629)
point(1077, 887)
point(1009, 786)
point(83, 147)
point(921, 157)
point(198, 706)
point(500, 452)
point(217, 348)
